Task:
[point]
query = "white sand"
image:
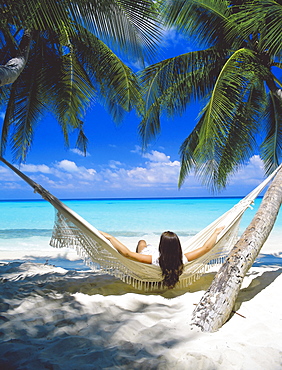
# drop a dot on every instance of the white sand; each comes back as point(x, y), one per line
point(54, 318)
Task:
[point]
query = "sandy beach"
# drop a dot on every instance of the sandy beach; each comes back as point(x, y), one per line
point(59, 318)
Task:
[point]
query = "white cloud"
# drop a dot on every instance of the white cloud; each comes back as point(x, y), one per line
point(35, 168)
point(137, 149)
point(156, 156)
point(74, 172)
point(7, 175)
point(67, 166)
point(115, 164)
point(158, 173)
point(80, 152)
point(250, 174)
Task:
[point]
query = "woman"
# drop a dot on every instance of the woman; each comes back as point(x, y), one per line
point(169, 256)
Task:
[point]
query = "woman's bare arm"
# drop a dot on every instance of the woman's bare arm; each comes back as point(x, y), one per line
point(208, 245)
point(122, 249)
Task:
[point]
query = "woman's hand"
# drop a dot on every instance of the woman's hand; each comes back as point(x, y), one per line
point(106, 235)
point(219, 229)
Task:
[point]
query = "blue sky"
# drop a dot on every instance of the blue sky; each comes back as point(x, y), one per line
point(115, 166)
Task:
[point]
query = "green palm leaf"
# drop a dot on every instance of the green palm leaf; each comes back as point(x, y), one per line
point(130, 25)
point(24, 116)
point(224, 135)
point(8, 119)
point(67, 88)
point(116, 83)
point(246, 37)
point(169, 86)
point(203, 19)
point(261, 20)
point(271, 147)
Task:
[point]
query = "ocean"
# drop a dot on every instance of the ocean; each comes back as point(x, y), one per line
point(26, 225)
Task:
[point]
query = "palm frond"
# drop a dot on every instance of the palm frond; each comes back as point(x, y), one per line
point(227, 93)
point(132, 26)
point(53, 78)
point(8, 45)
point(38, 14)
point(271, 148)
point(169, 86)
point(8, 120)
point(186, 152)
point(116, 82)
point(25, 115)
point(260, 20)
point(68, 89)
point(82, 141)
point(203, 19)
point(224, 136)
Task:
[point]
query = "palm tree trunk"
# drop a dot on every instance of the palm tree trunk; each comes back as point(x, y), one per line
point(14, 67)
point(216, 305)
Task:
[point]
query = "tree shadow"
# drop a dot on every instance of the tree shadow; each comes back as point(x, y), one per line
point(44, 326)
point(268, 260)
point(256, 286)
point(78, 278)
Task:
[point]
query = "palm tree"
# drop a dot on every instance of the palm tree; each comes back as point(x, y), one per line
point(59, 57)
point(217, 303)
point(234, 77)
point(237, 76)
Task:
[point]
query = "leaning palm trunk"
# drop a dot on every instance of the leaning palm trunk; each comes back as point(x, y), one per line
point(217, 303)
point(10, 71)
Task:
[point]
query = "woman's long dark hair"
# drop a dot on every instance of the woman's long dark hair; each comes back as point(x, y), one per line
point(170, 259)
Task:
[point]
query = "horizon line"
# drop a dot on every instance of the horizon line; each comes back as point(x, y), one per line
point(129, 198)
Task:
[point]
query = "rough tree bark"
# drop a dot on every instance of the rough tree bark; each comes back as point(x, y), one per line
point(216, 305)
point(14, 67)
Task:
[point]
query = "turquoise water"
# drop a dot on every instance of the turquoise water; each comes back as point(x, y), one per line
point(127, 217)
point(26, 226)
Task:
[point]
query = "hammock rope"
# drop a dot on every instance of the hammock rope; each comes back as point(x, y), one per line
point(72, 231)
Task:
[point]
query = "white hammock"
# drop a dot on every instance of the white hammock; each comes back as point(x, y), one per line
point(72, 231)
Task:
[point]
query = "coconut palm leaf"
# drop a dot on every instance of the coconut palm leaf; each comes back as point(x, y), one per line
point(24, 116)
point(227, 93)
point(74, 66)
point(82, 141)
point(232, 83)
point(38, 14)
point(169, 86)
point(8, 119)
point(205, 20)
point(224, 135)
point(271, 148)
point(67, 87)
point(64, 89)
point(131, 25)
point(116, 83)
point(262, 19)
